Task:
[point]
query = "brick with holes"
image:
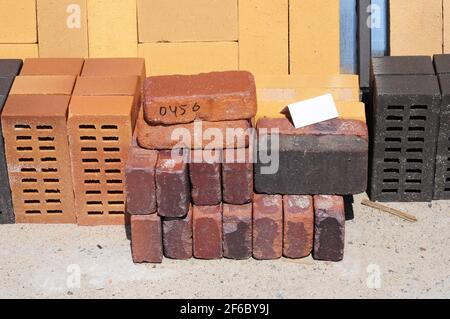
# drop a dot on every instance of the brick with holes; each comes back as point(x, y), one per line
point(237, 176)
point(52, 66)
point(329, 229)
point(215, 96)
point(298, 227)
point(37, 153)
point(237, 231)
point(405, 127)
point(100, 133)
point(330, 157)
point(140, 181)
point(207, 232)
point(172, 184)
point(205, 175)
point(177, 237)
point(267, 227)
point(146, 239)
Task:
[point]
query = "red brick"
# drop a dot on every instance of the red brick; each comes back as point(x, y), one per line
point(37, 154)
point(115, 67)
point(205, 173)
point(146, 239)
point(329, 229)
point(164, 137)
point(52, 66)
point(298, 226)
point(215, 96)
point(140, 181)
point(237, 231)
point(100, 133)
point(177, 237)
point(267, 227)
point(237, 176)
point(208, 232)
point(172, 185)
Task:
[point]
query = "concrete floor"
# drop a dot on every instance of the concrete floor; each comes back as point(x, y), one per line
point(385, 258)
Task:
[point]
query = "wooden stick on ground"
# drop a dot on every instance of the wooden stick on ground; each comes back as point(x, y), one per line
point(389, 210)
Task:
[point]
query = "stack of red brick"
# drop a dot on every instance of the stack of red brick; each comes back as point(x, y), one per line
point(201, 203)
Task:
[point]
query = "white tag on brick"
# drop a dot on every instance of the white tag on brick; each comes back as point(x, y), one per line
point(312, 111)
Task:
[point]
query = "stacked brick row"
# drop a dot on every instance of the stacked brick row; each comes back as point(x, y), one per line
point(404, 129)
point(68, 124)
point(8, 70)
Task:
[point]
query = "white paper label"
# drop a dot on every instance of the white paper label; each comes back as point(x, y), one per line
point(312, 111)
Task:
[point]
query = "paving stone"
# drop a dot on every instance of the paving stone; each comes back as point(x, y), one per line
point(177, 237)
point(37, 153)
point(237, 231)
point(267, 227)
point(100, 133)
point(327, 158)
point(52, 66)
point(298, 226)
point(215, 96)
point(172, 184)
point(207, 232)
point(146, 239)
point(10, 67)
point(237, 176)
point(141, 181)
point(405, 126)
point(192, 135)
point(205, 170)
point(329, 229)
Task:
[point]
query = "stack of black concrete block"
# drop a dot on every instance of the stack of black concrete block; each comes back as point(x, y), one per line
point(404, 127)
point(8, 70)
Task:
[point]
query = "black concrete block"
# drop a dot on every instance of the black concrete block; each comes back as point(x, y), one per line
point(310, 165)
point(364, 42)
point(442, 176)
point(405, 117)
point(6, 210)
point(402, 65)
point(5, 85)
point(10, 67)
point(442, 63)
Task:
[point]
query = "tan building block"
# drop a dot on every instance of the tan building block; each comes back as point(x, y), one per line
point(264, 36)
point(112, 28)
point(62, 27)
point(189, 58)
point(446, 23)
point(415, 27)
point(17, 21)
point(314, 36)
point(18, 51)
point(187, 20)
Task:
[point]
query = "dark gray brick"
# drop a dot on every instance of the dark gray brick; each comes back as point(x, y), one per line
point(402, 65)
point(10, 67)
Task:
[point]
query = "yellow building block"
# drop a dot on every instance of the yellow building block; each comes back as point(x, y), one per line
point(264, 36)
point(62, 26)
point(112, 28)
point(314, 36)
point(187, 20)
point(276, 92)
point(18, 51)
point(446, 23)
point(189, 58)
point(415, 27)
point(18, 21)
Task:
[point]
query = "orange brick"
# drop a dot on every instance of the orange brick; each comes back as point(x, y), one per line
point(100, 133)
point(37, 152)
point(52, 66)
point(43, 85)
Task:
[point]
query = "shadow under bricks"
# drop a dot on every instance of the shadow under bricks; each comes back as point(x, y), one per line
point(348, 206)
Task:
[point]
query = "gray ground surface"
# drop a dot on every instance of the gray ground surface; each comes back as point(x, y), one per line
point(385, 258)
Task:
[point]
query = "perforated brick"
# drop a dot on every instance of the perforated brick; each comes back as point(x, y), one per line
point(52, 66)
point(37, 152)
point(405, 125)
point(267, 227)
point(208, 232)
point(329, 228)
point(100, 133)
